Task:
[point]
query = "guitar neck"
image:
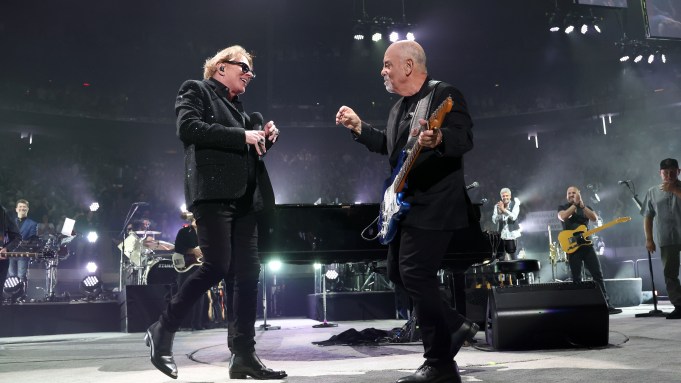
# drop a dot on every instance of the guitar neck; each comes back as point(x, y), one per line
point(401, 178)
point(17, 254)
point(597, 229)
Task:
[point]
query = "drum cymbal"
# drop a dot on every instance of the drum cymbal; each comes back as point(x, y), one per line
point(147, 232)
point(159, 245)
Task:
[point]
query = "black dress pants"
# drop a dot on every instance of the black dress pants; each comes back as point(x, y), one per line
point(586, 255)
point(414, 258)
point(229, 243)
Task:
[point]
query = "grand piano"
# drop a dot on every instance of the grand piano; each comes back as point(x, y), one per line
point(325, 234)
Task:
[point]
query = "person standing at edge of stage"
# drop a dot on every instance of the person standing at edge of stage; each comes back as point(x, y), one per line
point(662, 211)
point(226, 185)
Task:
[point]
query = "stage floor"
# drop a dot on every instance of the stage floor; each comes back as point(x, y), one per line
point(639, 350)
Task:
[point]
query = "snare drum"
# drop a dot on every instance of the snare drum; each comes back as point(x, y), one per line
point(160, 272)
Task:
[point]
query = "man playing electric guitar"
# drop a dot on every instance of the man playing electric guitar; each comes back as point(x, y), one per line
point(574, 214)
point(435, 190)
point(187, 244)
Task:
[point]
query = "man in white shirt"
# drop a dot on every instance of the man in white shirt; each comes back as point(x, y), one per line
point(505, 216)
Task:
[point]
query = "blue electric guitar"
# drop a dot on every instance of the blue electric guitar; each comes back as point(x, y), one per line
point(393, 207)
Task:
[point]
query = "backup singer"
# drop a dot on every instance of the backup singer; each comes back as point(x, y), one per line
point(438, 197)
point(505, 215)
point(226, 184)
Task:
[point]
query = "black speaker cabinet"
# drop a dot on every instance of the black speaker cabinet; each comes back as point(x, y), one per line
point(141, 305)
point(547, 315)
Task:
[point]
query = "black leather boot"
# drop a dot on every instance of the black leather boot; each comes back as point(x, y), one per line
point(161, 343)
point(241, 366)
point(464, 333)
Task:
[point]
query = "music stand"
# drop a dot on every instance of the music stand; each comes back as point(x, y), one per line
point(264, 326)
point(324, 323)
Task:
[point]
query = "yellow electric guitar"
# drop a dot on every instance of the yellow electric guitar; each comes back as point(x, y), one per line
point(571, 240)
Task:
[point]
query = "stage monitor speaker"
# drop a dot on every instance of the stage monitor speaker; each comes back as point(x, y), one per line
point(141, 305)
point(547, 315)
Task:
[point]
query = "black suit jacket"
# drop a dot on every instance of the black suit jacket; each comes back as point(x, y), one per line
point(212, 130)
point(435, 186)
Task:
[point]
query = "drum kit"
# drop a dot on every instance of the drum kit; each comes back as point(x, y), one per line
point(149, 259)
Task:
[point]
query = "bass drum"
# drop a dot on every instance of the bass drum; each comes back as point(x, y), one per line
point(160, 272)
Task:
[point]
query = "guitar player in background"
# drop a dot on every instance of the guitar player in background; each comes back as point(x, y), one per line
point(10, 233)
point(437, 194)
point(574, 214)
point(187, 244)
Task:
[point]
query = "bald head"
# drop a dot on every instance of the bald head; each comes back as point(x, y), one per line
point(404, 67)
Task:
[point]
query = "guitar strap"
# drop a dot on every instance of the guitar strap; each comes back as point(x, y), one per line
point(421, 112)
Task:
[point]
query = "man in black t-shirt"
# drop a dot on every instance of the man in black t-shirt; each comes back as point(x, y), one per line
point(187, 244)
point(574, 214)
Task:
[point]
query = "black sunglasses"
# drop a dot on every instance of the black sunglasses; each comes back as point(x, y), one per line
point(244, 67)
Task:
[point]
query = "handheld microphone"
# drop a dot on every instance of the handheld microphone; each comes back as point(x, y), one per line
point(256, 121)
point(623, 182)
point(473, 185)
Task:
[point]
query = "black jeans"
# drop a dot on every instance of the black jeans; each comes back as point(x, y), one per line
point(414, 258)
point(587, 256)
point(229, 243)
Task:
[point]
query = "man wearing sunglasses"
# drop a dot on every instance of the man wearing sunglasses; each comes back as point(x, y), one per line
point(226, 186)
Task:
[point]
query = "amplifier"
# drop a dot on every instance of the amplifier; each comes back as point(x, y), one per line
point(547, 315)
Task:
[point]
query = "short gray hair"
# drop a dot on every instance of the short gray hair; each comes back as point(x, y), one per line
point(505, 190)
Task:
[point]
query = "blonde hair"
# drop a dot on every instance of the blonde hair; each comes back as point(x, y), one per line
point(227, 54)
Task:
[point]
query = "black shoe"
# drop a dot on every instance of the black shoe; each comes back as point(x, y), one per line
point(241, 366)
point(612, 310)
point(433, 374)
point(161, 343)
point(676, 314)
point(466, 332)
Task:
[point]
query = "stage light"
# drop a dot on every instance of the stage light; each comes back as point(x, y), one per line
point(376, 37)
point(358, 30)
point(663, 58)
point(596, 27)
point(638, 58)
point(394, 36)
point(94, 206)
point(13, 289)
point(92, 237)
point(651, 58)
point(584, 29)
point(554, 21)
point(316, 266)
point(410, 36)
point(275, 265)
point(625, 57)
point(91, 286)
point(569, 29)
point(331, 274)
point(91, 267)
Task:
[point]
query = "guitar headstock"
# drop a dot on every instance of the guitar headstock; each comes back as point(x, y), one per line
point(435, 120)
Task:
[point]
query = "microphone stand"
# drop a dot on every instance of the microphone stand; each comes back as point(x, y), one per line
point(654, 312)
point(128, 217)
